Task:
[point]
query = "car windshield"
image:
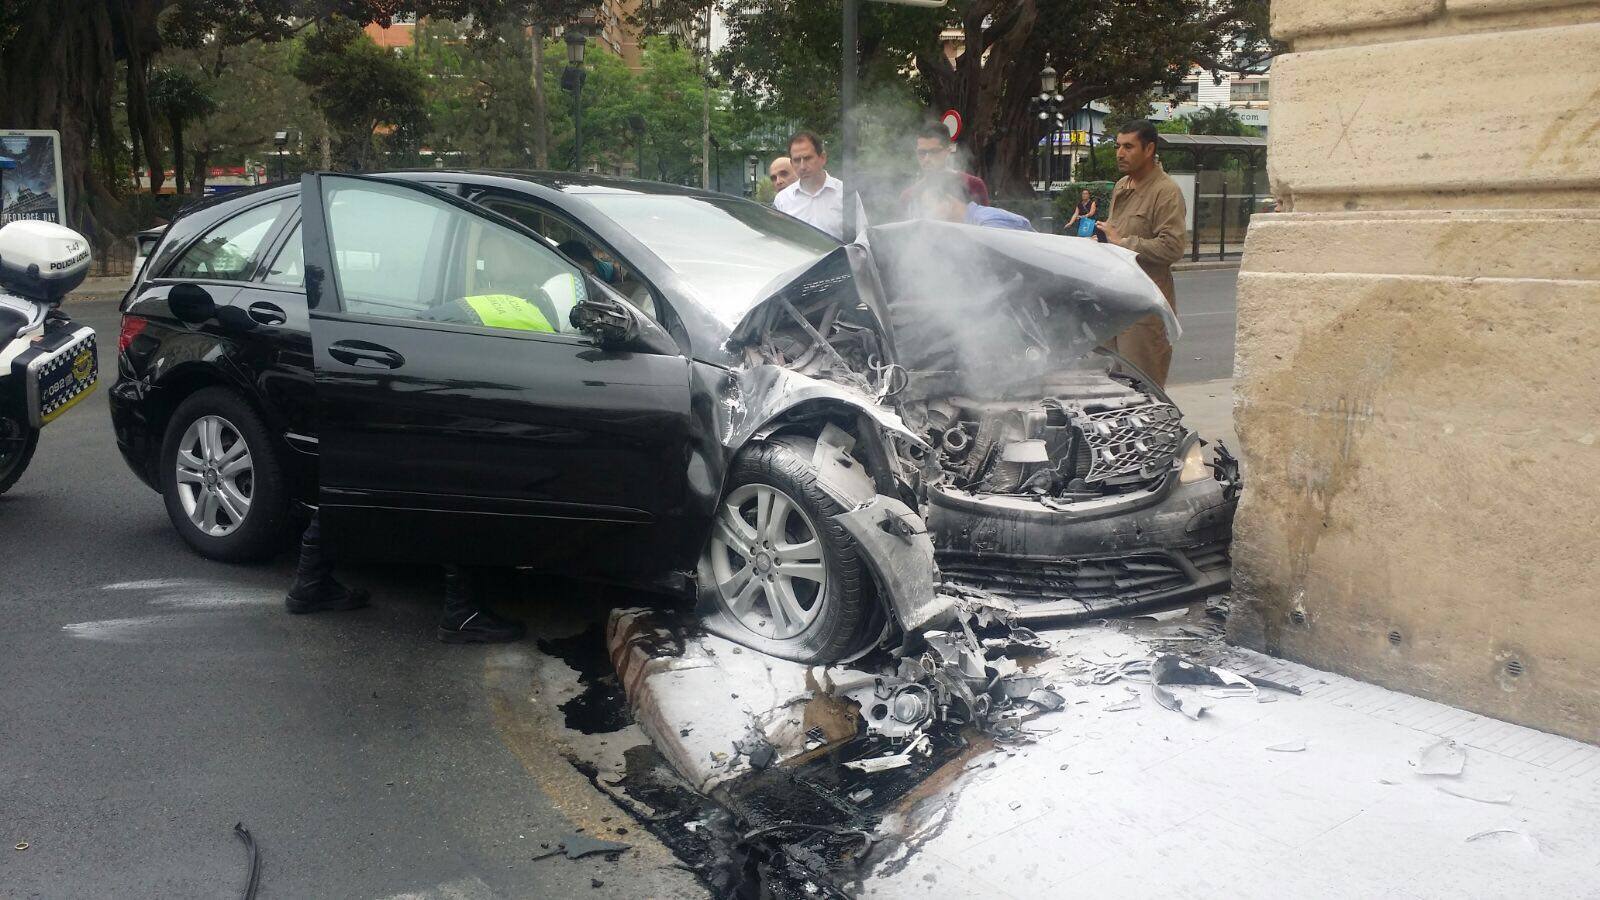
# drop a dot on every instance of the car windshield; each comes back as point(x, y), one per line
point(727, 250)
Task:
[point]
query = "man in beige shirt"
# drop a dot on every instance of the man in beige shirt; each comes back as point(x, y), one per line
point(1147, 217)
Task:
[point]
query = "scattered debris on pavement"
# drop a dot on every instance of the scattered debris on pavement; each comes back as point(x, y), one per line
point(1470, 794)
point(578, 846)
point(1169, 672)
point(1442, 757)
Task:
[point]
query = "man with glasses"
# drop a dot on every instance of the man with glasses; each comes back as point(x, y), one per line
point(933, 157)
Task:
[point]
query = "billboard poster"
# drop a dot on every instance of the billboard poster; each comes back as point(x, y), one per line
point(31, 190)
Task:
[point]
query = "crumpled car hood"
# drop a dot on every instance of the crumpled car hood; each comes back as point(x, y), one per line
point(985, 306)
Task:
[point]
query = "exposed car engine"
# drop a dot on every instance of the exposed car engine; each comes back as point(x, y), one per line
point(1045, 476)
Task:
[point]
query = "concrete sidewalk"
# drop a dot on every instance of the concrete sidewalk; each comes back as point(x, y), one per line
point(1144, 801)
point(1265, 795)
point(1208, 408)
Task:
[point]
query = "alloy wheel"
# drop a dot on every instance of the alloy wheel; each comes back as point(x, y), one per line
point(767, 562)
point(216, 476)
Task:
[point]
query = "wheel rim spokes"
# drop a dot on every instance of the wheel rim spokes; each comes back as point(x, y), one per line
point(767, 562)
point(215, 476)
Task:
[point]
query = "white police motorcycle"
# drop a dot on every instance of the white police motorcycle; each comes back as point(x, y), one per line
point(47, 361)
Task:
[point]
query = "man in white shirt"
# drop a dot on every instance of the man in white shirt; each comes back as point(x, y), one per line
point(817, 198)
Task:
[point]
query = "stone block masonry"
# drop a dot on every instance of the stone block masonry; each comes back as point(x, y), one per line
point(1418, 365)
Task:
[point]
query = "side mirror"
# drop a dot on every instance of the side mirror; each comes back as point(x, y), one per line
point(191, 304)
point(616, 325)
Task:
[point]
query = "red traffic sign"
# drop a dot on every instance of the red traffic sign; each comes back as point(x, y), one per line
point(952, 122)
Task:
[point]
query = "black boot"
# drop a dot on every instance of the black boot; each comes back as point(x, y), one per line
point(462, 622)
point(315, 589)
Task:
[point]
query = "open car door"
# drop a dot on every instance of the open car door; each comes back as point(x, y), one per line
point(461, 417)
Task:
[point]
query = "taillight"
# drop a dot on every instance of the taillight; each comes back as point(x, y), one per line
point(132, 327)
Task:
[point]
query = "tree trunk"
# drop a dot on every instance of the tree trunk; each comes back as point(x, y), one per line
point(139, 117)
point(60, 73)
point(541, 109)
point(202, 161)
point(175, 123)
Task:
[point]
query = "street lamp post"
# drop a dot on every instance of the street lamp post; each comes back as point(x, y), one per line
point(572, 79)
point(1048, 108)
point(280, 140)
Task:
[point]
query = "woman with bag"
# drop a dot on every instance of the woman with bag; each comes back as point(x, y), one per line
point(1084, 217)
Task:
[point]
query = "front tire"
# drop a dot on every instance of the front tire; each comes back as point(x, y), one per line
point(17, 443)
point(779, 572)
point(222, 480)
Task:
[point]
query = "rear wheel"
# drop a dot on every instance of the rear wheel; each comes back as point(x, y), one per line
point(779, 571)
point(220, 476)
point(17, 443)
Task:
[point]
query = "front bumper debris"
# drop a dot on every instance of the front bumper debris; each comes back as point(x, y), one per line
point(1070, 562)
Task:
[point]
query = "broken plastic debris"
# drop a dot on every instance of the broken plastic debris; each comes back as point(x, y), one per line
point(1165, 615)
point(1469, 794)
point(1171, 670)
point(1016, 805)
point(1527, 840)
point(1047, 700)
point(1442, 757)
point(1273, 685)
point(861, 795)
point(577, 846)
point(894, 761)
point(1130, 703)
point(1294, 746)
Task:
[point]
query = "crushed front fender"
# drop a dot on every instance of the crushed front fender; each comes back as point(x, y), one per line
point(895, 543)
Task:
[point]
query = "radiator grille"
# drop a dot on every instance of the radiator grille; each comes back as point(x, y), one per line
point(1134, 442)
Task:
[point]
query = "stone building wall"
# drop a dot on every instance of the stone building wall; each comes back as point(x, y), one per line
point(1418, 369)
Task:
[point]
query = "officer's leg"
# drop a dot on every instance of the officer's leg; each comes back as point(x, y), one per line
point(315, 589)
point(463, 621)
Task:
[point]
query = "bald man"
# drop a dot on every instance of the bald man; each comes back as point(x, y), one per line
point(782, 173)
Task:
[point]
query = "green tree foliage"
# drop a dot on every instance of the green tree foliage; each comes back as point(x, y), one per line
point(179, 97)
point(789, 50)
point(479, 93)
point(256, 96)
point(1217, 120)
point(368, 95)
point(481, 108)
point(69, 66)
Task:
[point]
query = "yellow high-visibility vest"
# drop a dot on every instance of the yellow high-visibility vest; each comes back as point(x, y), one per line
point(507, 311)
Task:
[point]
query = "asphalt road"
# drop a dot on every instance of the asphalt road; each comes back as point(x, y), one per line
point(1206, 310)
point(150, 699)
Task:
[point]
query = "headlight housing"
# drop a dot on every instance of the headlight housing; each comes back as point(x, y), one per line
point(1194, 465)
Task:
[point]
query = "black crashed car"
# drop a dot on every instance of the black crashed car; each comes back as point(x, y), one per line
point(714, 400)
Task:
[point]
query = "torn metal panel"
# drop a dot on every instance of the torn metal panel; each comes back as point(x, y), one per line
point(900, 555)
point(1169, 670)
point(755, 397)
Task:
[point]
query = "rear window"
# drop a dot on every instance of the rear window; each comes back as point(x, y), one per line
point(230, 250)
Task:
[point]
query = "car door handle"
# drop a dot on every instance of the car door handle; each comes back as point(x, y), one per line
point(365, 355)
point(268, 313)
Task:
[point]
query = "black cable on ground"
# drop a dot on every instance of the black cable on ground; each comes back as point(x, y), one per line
point(254, 883)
